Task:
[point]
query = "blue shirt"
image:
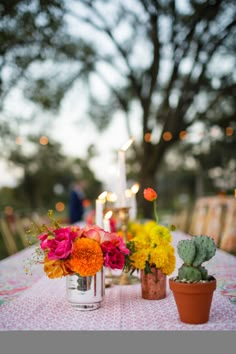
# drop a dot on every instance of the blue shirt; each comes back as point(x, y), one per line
point(76, 209)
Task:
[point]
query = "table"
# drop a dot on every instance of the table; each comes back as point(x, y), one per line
point(38, 303)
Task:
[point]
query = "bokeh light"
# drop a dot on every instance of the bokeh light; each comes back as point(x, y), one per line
point(167, 136)
point(60, 206)
point(8, 210)
point(148, 137)
point(183, 134)
point(43, 140)
point(19, 140)
point(86, 203)
point(229, 131)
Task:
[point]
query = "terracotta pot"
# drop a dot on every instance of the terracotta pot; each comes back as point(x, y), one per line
point(153, 285)
point(193, 301)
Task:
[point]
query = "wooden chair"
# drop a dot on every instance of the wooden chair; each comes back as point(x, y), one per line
point(14, 233)
point(22, 225)
point(216, 218)
point(38, 219)
point(228, 240)
point(181, 220)
point(199, 216)
point(8, 237)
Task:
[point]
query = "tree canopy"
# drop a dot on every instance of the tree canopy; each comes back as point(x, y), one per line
point(47, 175)
point(171, 62)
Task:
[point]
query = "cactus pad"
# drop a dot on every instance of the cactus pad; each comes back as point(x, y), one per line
point(193, 253)
point(186, 250)
point(204, 272)
point(189, 273)
point(201, 255)
point(206, 243)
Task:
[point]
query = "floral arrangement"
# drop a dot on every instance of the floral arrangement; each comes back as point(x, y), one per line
point(74, 250)
point(150, 245)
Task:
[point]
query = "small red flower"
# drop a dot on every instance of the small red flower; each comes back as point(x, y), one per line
point(149, 194)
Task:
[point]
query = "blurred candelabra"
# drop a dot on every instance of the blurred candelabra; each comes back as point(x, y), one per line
point(123, 214)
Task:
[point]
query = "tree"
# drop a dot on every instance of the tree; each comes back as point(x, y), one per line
point(47, 175)
point(171, 61)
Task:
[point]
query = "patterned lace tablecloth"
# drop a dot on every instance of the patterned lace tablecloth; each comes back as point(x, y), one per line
point(40, 303)
point(44, 307)
point(13, 278)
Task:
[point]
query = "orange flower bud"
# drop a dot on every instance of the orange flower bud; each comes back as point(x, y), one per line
point(150, 194)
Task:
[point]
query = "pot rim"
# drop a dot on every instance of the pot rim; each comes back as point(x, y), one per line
point(175, 280)
point(177, 286)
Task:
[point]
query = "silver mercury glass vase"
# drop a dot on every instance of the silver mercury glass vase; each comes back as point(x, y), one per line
point(85, 293)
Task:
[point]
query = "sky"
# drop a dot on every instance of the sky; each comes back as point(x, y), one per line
point(105, 166)
point(76, 132)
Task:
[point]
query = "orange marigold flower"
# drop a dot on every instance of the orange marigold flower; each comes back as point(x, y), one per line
point(150, 194)
point(56, 268)
point(87, 257)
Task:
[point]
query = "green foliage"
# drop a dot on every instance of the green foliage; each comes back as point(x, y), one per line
point(189, 273)
point(187, 251)
point(193, 253)
point(43, 169)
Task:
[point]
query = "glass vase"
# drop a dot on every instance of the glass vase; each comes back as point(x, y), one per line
point(153, 285)
point(85, 293)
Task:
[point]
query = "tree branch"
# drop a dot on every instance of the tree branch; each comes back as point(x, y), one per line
point(119, 48)
point(121, 100)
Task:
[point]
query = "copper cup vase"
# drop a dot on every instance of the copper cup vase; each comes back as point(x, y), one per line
point(153, 285)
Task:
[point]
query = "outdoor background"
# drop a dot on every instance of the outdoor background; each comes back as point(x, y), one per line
point(78, 78)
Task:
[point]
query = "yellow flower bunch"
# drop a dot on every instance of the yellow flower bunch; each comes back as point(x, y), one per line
point(151, 243)
point(151, 246)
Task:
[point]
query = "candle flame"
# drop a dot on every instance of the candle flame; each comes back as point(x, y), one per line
point(111, 197)
point(108, 215)
point(135, 188)
point(127, 144)
point(128, 193)
point(102, 195)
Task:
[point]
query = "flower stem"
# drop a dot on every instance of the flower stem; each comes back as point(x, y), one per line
point(155, 211)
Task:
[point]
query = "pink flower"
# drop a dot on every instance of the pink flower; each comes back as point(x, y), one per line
point(122, 246)
point(113, 258)
point(113, 224)
point(97, 233)
point(60, 247)
point(107, 246)
point(117, 241)
point(44, 240)
point(94, 232)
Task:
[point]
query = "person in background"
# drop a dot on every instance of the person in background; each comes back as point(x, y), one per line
point(76, 198)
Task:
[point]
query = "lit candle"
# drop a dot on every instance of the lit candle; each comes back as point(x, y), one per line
point(122, 179)
point(106, 221)
point(133, 204)
point(111, 197)
point(107, 228)
point(100, 202)
point(122, 174)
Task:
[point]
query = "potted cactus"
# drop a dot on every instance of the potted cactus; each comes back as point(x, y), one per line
point(193, 288)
